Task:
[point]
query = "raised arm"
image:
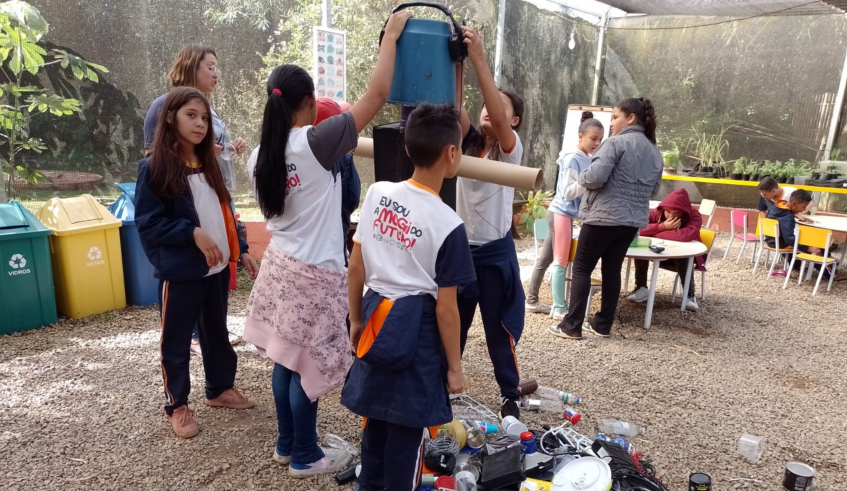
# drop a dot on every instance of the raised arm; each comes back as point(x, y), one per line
point(490, 93)
point(368, 105)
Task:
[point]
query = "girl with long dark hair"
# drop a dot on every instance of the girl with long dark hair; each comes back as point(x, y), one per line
point(297, 311)
point(486, 210)
point(625, 172)
point(187, 230)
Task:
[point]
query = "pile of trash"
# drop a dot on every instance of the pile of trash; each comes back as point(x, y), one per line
point(478, 450)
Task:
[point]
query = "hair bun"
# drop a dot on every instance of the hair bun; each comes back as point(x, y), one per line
point(586, 115)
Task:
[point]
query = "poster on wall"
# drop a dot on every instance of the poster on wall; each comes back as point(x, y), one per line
point(573, 119)
point(330, 62)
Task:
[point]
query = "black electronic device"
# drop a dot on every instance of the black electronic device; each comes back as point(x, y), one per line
point(456, 44)
point(657, 249)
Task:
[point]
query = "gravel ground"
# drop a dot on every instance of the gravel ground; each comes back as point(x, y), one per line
point(80, 402)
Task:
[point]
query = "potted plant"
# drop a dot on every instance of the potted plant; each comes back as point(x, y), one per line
point(738, 168)
point(708, 151)
point(534, 209)
point(751, 170)
point(803, 172)
point(671, 159)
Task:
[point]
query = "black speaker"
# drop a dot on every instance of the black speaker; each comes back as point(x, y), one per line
point(391, 162)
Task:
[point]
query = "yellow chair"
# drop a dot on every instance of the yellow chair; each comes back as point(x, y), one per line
point(812, 237)
point(707, 237)
point(596, 284)
point(768, 227)
point(707, 207)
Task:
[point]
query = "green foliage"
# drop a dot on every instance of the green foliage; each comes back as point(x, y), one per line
point(671, 158)
point(534, 209)
point(739, 166)
point(21, 29)
point(707, 149)
point(752, 168)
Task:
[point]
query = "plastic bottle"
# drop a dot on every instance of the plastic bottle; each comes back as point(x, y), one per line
point(543, 405)
point(465, 478)
point(544, 392)
point(616, 427)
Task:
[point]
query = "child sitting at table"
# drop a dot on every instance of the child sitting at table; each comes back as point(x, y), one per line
point(674, 219)
point(788, 213)
point(770, 195)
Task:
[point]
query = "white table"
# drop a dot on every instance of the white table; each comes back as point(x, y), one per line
point(833, 223)
point(654, 204)
point(673, 250)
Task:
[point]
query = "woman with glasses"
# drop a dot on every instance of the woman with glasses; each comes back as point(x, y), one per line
point(197, 66)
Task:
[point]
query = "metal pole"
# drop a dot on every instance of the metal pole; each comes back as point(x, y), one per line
point(836, 111)
point(600, 62)
point(498, 49)
point(326, 14)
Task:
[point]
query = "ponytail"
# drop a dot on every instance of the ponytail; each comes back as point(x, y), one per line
point(587, 122)
point(644, 112)
point(288, 88)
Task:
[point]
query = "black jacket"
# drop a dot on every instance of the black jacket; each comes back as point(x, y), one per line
point(166, 228)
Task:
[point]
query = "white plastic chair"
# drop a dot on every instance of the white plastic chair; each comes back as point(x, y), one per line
point(707, 207)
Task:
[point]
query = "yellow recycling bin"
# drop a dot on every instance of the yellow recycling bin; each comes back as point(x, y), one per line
point(85, 250)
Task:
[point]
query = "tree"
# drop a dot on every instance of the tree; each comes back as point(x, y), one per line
point(21, 59)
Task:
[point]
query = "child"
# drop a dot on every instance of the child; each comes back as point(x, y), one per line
point(788, 213)
point(412, 253)
point(565, 205)
point(297, 311)
point(771, 194)
point(674, 219)
point(187, 231)
point(625, 171)
point(486, 210)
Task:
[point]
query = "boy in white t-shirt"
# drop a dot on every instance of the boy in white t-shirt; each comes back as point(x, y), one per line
point(411, 251)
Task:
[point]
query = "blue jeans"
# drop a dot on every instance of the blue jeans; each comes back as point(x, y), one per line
point(297, 419)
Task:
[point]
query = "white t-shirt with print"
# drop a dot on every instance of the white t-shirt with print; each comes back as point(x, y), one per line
point(310, 227)
point(211, 217)
point(486, 208)
point(403, 228)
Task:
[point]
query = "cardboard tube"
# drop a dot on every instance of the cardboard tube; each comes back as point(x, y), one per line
point(513, 176)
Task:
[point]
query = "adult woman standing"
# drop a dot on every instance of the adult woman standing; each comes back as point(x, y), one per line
point(625, 171)
point(197, 66)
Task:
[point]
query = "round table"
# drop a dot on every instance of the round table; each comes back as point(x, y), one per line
point(828, 222)
point(654, 204)
point(673, 250)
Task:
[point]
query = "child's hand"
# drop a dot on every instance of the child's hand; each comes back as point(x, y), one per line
point(240, 146)
point(356, 329)
point(251, 266)
point(396, 24)
point(474, 44)
point(218, 149)
point(208, 246)
point(455, 381)
point(672, 223)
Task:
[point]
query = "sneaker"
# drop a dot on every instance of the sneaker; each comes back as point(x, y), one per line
point(183, 423)
point(691, 304)
point(195, 347)
point(589, 329)
point(640, 295)
point(334, 460)
point(536, 308)
point(556, 331)
point(509, 407)
point(232, 399)
point(282, 459)
point(560, 314)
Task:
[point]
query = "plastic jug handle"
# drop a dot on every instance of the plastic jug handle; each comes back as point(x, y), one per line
point(457, 29)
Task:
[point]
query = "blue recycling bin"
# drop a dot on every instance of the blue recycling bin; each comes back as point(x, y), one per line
point(141, 286)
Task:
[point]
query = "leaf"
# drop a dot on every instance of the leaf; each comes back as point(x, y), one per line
point(77, 72)
point(99, 68)
point(92, 75)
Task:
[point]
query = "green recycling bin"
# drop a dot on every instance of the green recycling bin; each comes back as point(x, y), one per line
point(27, 299)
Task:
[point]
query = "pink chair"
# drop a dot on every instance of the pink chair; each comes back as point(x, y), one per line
point(738, 218)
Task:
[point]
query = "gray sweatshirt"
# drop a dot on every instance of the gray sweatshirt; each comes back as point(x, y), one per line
point(625, 172)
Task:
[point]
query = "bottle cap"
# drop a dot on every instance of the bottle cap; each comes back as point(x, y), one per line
point(445, 482)
point(527, 435)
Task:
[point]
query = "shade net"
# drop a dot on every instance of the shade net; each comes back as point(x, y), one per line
point(728, 8)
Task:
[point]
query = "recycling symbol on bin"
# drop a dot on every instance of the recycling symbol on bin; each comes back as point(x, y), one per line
point(17, 261)
point(94, 253)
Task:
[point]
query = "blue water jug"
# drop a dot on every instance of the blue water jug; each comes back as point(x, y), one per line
point(425, 65)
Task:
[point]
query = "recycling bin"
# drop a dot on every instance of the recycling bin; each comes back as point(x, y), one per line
point(27, 300)
point(85, 251)
point(141, 286)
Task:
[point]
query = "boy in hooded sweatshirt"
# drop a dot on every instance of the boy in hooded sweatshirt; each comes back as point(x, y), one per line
point(673, 219)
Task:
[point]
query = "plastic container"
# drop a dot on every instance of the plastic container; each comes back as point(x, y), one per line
point(751, 447)
point(615, 427)
point(544, 392)
point(142, 288)
point(584, 474)
point(85, 251)
point(528, 442)
point(512, 426)
point(27, 300)
point(423, 69)
point(798, 477)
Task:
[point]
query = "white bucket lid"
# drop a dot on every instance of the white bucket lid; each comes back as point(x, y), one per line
point(584, 474)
